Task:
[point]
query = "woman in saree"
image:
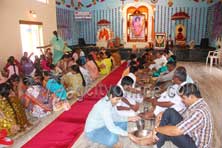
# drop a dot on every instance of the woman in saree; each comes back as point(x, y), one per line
point(14, 97)
point(85, 73)
point(9, 118)
point(73, 81)
point(92, 67)
point(58, 91)
point(58, 46)
point(37, 99)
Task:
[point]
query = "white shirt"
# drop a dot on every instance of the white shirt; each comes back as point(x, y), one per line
point(82, 54)
point(159, 62)
point(170, 95)
point(166, 77)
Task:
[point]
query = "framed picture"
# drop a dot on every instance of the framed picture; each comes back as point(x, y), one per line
point(136, 27)
point(160, 41)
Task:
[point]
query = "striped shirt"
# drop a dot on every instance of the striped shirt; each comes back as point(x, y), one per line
point(197, 123)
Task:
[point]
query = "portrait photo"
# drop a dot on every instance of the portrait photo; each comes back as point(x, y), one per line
point(137, 27)
point(160, 41)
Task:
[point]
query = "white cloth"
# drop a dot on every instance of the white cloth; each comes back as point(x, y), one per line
point(131, 75)
point(82, 54)
point(166, 77)
point(133, 99)
point(174, 98)
point(159, 63)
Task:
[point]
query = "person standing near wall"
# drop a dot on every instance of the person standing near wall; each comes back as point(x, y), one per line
point(58, 46)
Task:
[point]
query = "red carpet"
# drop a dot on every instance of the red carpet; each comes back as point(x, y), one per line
point(66, 129)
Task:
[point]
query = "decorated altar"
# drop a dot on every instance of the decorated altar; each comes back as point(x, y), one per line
point(104, 33)
point(138, 24)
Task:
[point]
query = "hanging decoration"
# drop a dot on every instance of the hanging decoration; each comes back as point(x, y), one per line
point(63, 2)
point(180, 16)
point(80, 4)
point(207, 1)
point(154, 1)
point(58, 3)
point(170, 3)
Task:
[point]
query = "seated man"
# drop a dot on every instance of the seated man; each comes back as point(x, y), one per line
point(170, 98)
point(131, 73)
point(159, 61)
point(168, 76)
point(129, 105)
point(103, 125)
point(193, 128)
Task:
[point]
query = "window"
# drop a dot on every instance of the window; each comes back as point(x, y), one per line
point(43, 1)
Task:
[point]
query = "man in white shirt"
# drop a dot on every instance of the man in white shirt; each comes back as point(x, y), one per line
point(170, 98)
point(160, 61)
point(129, 105)
point(171, 66)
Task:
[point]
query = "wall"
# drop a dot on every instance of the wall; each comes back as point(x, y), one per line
point(214, 24)
point(11, 11)
point(68, 28)
point(196, 25)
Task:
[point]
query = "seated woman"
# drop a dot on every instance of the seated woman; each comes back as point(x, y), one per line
point(85, 73)
point(3, 79)
point(73, 81)
point(44, 63)
point(36, 98)
point(106, 63)
point(12, 67)
point(8, 114)
point(92, 67)
point(26, 64)
point(16, 101)
point(103, 125)
point(59, 93)
point(116, 58)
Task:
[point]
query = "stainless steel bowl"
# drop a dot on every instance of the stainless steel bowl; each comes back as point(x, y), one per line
point(140, 124)
point(141, 133)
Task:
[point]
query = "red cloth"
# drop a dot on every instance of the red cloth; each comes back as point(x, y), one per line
point(66, 129)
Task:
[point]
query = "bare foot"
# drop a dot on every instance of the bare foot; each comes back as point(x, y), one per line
point(118, 145)
point(148, 140)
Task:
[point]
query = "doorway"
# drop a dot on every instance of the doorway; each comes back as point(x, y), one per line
point(31, 37)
